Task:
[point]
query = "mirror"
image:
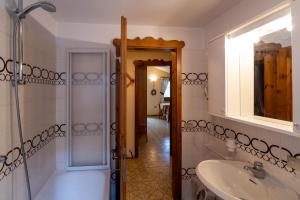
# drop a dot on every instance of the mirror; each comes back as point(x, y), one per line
point(273, 76)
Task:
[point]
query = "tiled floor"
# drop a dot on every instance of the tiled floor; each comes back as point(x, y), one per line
point(149, 176)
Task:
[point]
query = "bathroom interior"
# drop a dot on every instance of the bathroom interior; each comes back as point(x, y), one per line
point(68, 104)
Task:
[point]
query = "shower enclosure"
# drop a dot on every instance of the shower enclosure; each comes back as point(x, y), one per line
point(18, 13)
point(88, 109)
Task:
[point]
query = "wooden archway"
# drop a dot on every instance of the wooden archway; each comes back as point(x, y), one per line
point(175, 47)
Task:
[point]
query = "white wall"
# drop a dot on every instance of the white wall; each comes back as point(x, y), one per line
point(43, 17)
point(234, 17)
point(194, 104)
point(238, 15)
point(37, 103)
point(105, 33)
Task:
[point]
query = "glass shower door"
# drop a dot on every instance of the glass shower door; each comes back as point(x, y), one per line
point(88, 109)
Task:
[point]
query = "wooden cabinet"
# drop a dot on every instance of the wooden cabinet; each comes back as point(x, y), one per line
point(216, 79)
point(296, 64)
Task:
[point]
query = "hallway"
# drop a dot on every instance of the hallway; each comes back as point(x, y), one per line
point(149, 176)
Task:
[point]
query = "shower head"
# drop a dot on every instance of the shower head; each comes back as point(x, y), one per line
point(49, 7)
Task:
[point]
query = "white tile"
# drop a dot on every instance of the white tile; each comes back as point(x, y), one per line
point(5, 132)
point(61, 92)
point(6, 189)
point(4, 47)
point(193, 61)
point(4, 20)
point(61, 117)
point(19, 191)
point(6, 93)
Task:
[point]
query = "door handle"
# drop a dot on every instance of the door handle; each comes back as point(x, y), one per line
point(114, 154)
point(115, 157)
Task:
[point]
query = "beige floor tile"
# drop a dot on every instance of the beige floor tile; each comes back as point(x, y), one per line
point(149, 176)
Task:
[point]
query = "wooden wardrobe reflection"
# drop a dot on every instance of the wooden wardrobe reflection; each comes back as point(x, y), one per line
point(273, 81)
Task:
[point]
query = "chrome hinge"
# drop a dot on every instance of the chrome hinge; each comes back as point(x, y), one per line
point(114, 154)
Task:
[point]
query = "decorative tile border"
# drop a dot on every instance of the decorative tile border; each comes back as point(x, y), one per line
point(89, 78)
point(13, 159)
point(187, 78)
point(113, 78)
point(194, 78)
point(38, 75)
point(114, 176)
point(254, 146)
point(32, 74)
point(113, 128)
point(188, 173)
point(87, 129)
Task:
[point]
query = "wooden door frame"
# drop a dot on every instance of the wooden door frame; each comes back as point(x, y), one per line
point(121, 113)
point(175, 47)
point(146, 63)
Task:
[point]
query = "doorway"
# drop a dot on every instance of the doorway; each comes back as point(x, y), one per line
point(175, 48)
point(149, 172)
point(152, 94)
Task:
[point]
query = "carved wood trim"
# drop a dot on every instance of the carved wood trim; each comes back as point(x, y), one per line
point(154, 62)
point(150, 43)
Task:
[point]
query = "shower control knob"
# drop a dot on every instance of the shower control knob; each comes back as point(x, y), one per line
point(2, 159)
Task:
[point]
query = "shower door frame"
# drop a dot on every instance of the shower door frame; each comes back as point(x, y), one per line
point(106, 52)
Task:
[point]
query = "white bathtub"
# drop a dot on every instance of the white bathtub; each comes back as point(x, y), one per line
point(76, 185)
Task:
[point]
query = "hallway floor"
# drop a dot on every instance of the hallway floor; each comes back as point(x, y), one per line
point(149, 177)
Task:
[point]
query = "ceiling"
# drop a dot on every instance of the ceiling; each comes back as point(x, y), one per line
point(183, 13)
point(165, 68)
point(283, 37)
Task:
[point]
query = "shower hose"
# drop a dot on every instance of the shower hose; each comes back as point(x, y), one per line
point(15, 83)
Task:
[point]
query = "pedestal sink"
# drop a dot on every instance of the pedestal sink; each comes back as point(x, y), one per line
point(230, 181)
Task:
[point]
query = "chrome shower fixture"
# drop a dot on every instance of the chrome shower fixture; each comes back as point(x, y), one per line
point(47, 6)
point(21, 14)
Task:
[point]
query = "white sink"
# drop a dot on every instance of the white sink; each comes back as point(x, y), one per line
point(230, 181)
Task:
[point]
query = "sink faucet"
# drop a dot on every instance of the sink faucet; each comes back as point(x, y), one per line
point(257, 170)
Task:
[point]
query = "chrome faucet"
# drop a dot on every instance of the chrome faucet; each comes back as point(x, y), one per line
point(257, 170)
